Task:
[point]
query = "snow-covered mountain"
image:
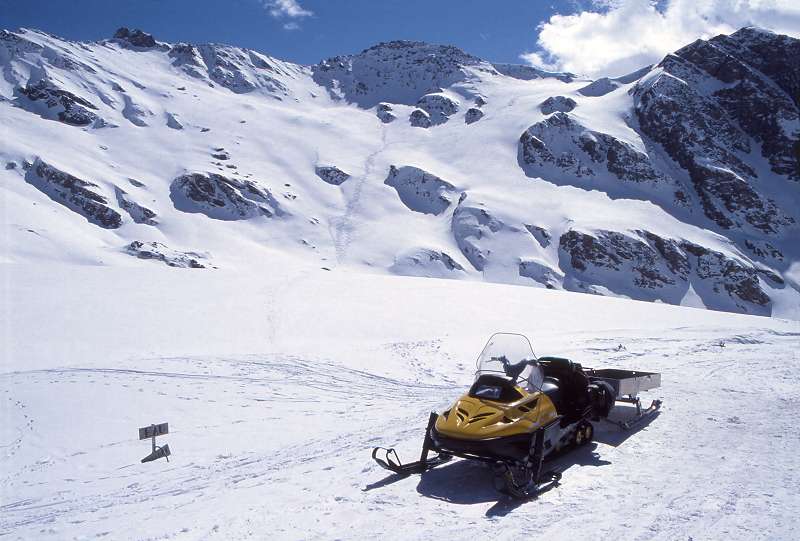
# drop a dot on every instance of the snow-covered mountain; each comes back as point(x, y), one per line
point(678, 183)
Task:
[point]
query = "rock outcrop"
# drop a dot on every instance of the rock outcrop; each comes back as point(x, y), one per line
point(136, 38)
point(395, 72)
point(419, 119)
point(421, 191)
point(332, 174)
point(239, 70)
point(438, 106)
point(557, 103)
point(707, 103)
point(138, 213)
point(222, 198)
point(384, 113)
point(50, 101)
point(473, 115)
point(78, 195)
point(161, 252)
point(664, 268)
point(560, 144)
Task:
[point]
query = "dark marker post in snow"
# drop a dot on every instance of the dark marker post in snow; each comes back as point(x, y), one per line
point(151, 432)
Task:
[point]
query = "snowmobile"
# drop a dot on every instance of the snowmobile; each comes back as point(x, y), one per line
point(519, 411)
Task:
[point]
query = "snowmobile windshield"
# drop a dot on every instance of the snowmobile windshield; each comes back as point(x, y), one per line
point(511, 356)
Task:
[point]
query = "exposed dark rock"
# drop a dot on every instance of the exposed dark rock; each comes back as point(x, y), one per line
point(557, 103)
point(473, 115)
point(161, 252)
point(763, 250)
point(712, 99)
point(560, 142)
point(480, 101)
point(420, 119)
point(541, 234)
point(49, 101)
point(136, 37)
point(384, 113)
point(173, 121)
point(608, 257)
point(395, 72)
point(222, 198)
point(438, 106)
point(600, 87)
point(332, 174)
point(421, 191)
point(140, 214)
point(78, 195)
point(239, 70)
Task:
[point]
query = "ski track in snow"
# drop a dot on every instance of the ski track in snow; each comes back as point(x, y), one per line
point(236, 469)
point(343, 226)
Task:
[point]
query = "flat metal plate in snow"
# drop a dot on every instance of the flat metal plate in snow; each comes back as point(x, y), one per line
point(153, 430)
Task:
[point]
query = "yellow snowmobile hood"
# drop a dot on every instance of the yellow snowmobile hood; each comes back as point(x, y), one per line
point(478, 418)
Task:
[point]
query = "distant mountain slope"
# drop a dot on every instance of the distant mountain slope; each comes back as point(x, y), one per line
point(678, 183)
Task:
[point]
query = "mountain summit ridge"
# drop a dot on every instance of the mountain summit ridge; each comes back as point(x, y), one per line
point(677, 183)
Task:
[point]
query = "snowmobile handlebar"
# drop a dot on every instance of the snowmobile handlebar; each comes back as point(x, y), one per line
point(515, 370)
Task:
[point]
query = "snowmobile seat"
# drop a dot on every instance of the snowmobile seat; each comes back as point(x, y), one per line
point(552, 388)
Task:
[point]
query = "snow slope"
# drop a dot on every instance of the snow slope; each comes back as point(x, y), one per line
point(277, 384)
point(211, 153)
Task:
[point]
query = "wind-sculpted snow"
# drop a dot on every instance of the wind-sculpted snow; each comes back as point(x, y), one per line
point(421, 191)
point(663, 269)
point(542, 273)
point(428, 263)
point(78, 195)
point(472, 225)
point(529, 73)
point(222, 198)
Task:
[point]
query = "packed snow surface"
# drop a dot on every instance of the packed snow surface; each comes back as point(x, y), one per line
point(276, 385)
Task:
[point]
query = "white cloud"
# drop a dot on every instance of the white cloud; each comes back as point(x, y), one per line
point(619, 36)
point(287, 9)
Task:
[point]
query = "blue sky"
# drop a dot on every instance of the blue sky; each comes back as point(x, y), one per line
point(497, 30)
point(588, 37)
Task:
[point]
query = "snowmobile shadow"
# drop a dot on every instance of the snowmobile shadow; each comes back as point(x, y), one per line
point(461, 481)
point(468, 482)
point(615, 436)
point(388, 480)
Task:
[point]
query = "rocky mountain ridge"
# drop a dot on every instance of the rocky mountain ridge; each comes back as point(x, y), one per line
point(678, 183)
